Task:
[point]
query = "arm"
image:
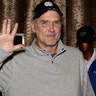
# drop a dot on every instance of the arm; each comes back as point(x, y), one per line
point(6, 49)
point(86, 86)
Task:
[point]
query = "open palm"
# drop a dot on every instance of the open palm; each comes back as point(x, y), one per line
point(7, 37)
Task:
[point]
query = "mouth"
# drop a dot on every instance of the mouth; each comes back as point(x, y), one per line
point(51, 35)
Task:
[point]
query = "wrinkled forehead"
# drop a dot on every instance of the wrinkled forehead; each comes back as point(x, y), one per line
point(50, 15)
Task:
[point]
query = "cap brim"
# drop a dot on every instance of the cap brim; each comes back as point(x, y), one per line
point(39, 13)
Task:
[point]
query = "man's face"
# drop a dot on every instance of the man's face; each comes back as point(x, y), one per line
point(47, 28)
point(85, 47)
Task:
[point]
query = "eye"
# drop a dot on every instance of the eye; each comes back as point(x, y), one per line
point(44, 22)
point(57, 22)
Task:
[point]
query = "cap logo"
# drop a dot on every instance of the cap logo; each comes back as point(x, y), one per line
point(83, 34)
point(48, 3)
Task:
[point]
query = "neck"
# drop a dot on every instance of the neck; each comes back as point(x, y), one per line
point(50, 48)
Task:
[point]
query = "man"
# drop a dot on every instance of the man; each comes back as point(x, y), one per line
point(47, 67)
point(85, 42)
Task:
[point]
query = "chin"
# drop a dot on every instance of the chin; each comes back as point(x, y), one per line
point(51, 43)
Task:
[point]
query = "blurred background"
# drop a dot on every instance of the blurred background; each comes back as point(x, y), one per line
point(75, 14)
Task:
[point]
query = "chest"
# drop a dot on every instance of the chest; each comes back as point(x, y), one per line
point(44, 78)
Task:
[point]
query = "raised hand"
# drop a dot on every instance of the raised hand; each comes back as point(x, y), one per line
point(7, 37)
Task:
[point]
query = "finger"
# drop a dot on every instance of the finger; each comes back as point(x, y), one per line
point(8, 26)
point(4, 26)
point(14, 29)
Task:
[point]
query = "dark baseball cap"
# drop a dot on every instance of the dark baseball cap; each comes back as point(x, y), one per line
point(85, 34)
point(43, 7)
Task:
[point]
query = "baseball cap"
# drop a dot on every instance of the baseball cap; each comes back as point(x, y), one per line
point(44, 6)
point(85, 34)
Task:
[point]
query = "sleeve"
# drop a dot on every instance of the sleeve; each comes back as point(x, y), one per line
point(86, 86)
point(6, 70)
point(92, 75)
point(3, 55)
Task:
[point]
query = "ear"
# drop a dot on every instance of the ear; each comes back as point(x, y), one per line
point(32, 27)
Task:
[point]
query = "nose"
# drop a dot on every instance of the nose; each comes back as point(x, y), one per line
point(51, 27)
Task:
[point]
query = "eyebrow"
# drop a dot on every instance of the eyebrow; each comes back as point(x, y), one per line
point(48, 20)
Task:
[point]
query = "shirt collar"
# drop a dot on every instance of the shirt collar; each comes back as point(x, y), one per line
point(94, 55)
point(60, 48)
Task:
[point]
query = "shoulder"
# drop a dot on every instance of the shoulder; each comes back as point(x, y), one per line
point(22, 51)
point(68, 48)
point(72, 49)
point(73, 53)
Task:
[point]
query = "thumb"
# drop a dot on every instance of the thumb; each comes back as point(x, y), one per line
point(16, 47)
